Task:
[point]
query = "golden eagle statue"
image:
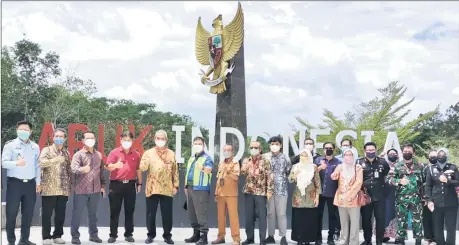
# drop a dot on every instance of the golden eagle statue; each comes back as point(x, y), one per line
point(216, 49)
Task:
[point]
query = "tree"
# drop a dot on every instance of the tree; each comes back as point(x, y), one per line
point(382, 114)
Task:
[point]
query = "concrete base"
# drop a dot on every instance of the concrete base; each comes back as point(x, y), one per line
point(18, 219)
point(140, 234)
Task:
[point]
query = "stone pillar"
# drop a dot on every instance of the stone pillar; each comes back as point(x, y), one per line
point(231, 106)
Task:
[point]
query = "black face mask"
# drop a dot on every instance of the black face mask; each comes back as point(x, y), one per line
point(441, 159)
point(433, 160)
point(407, 156)
point(392, 158)
point(329, 152)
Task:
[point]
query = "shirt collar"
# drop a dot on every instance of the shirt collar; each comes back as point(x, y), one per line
point(121, 149)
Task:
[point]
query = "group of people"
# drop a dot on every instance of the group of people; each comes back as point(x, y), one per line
point(351, 188)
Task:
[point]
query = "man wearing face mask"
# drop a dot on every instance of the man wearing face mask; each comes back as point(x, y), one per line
point(427, 221)
point(308, 145)
point(407, 177)
point(197, 188)
point(89, 187)
point(226, 196)
point(440, 188)
point(161, 187)
point(277, 205)
point(375, 170)
point(125, 182)
point(327, 165)
point(258, 189)
point(56, 185)
point(20, 159)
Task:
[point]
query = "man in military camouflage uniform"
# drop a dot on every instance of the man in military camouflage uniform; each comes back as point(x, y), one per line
point(407, 177)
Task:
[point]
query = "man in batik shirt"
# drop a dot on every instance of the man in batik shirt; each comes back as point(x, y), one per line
point(258, 189)
point(277, 205)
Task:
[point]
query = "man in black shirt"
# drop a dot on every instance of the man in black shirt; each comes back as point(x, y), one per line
point(440, 192)
point(375, 170)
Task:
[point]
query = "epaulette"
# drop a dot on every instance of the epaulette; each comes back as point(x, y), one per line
point(359, 160)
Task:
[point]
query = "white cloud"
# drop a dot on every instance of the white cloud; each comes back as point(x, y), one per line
point(298, 54)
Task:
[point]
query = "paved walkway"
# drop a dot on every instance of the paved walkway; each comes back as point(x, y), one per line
point(179, 234)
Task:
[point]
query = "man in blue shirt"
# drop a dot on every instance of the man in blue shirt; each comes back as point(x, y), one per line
point(327, 165)
point(20, 159)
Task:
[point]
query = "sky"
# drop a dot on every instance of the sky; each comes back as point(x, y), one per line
point(300, 57)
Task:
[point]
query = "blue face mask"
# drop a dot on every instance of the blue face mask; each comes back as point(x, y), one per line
point(59, 141)
point(23, 134)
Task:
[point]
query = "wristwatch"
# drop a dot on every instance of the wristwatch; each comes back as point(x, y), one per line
point(139, 184)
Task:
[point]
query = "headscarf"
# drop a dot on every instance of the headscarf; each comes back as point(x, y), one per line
point(446, 151)
point(306, 167)
point(348, 165)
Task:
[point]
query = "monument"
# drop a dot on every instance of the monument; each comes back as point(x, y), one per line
point(223, 51)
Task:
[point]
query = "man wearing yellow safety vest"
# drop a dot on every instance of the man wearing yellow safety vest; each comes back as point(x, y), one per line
point(197, 188)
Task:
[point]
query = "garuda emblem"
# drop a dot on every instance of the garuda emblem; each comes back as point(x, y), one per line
point(216, 49)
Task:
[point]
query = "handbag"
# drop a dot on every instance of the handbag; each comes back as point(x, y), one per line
point(363, 198)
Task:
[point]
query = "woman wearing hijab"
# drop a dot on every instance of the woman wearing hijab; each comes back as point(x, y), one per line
point(305, 199)
point(350, 179)
point(391, 221)
point(427, 221)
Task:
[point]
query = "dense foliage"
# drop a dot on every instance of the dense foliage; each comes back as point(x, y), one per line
point(34, 88)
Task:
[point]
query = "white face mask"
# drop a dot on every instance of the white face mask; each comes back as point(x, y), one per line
point(227, 154)
point(274, 148)
point(90, 142)
point(197, 148)
point(126, 144)
point(309, 147)
point(254, 152)
point(160, 143)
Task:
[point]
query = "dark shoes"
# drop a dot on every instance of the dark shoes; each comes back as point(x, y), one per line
point(111, 240)
point(202, 239)
point(95, 239)
point(248, 242)
point(418, 241)
point(365, 243)
point(318, 242)
point(149, 240)
point(283, 241)
point(194, 238)
point(76, 240)
point(168, 240)
point(330, 242)
point(270, 240)
point(23, 242)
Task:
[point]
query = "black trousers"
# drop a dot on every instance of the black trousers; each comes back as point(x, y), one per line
point(377, 208)
point(332, 218)
point(50, 204)
point(166, 203)
point(255, 208)
point(445, 217)
point(427, 223)
point(18, 193)
point(118, 193)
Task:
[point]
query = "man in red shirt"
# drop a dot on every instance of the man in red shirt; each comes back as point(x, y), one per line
point(125, 182)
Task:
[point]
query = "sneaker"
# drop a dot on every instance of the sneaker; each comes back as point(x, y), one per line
point(47, 242)
point(59, 240)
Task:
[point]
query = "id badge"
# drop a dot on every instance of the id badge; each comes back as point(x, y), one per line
point(222, 182)
point(376, 174)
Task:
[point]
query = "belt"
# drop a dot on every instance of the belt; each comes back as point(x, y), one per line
point(22, 180)
point(123, 181)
